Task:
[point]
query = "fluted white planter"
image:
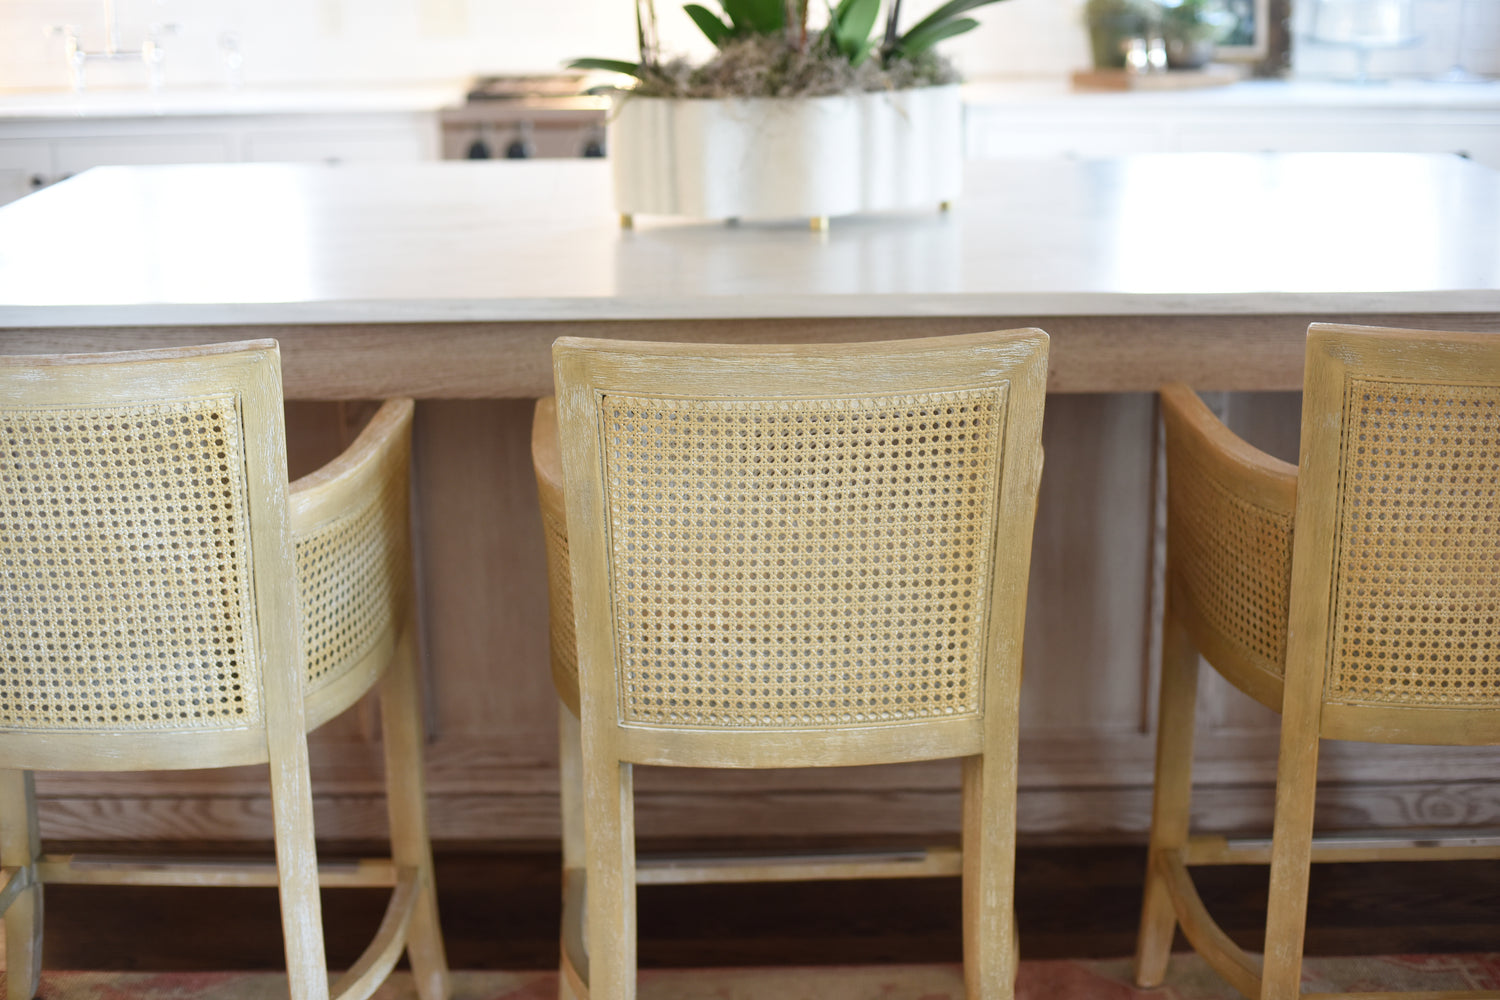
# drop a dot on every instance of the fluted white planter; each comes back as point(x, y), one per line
point(787, 157)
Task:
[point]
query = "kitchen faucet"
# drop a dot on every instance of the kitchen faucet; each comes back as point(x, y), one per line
point(151, 54)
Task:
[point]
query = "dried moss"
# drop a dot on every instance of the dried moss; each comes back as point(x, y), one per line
point(770, 66)
point(926, 69)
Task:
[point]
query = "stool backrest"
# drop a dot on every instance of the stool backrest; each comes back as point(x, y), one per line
point(1395, 605)
point(351, 529)
point(790, 556)
point(1229, 545)
point(146, 561)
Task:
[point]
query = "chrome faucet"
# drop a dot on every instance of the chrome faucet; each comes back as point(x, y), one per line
point(151, 54)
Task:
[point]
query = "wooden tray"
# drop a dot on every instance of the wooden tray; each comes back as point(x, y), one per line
point(1175, 79)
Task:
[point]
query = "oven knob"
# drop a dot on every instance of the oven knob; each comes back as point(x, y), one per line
point(521, 147)
point(479, 149)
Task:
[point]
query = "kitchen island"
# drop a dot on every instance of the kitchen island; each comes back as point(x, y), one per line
point(448, 282)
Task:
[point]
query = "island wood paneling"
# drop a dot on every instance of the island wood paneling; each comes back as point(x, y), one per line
point(463, 360)
point(1087, 708)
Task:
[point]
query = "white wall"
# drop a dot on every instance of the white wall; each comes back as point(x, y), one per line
point(1444, 32)
point(396, 41)
point(393, 41)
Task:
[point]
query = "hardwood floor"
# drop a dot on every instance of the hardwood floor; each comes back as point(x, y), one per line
point(500, 910)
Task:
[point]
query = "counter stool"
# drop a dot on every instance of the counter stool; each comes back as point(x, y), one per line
point(788, 557)
point(168, 602)
point(1357, 594)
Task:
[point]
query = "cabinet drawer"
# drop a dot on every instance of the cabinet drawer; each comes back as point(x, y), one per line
point(24, 166)
point(373, 146)
point(73, 155)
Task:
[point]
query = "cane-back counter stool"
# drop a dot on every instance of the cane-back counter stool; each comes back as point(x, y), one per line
point(169, 601)
point(1377, 619)
point(789, 557)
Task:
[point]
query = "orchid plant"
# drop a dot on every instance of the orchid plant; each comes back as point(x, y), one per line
point(765, 48)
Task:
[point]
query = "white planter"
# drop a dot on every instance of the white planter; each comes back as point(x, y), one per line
point(787, 157)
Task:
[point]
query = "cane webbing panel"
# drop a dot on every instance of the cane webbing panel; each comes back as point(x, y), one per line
point(124, 569)
point(1232, 559)
point(560, 599)
point(351, 575)
point(1417, 564)
point(807, 563)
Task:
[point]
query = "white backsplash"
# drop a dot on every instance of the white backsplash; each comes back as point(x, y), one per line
point(312, 42)
point(1440, 41)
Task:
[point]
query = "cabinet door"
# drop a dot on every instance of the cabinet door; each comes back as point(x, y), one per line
point(1003, 132)
point(75, 154)
point(375, 145)
point(1480, 142)
point(25, 165)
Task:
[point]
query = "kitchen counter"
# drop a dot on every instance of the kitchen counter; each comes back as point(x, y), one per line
point(213, 101)
point(449, 282)
point(1140, 266)
point(1266, 94)
point(1007, 93)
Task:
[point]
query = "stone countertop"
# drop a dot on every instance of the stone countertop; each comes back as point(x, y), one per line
point(1412, 95)
point(1008, 93)
point(215, 101)
point(457, 241)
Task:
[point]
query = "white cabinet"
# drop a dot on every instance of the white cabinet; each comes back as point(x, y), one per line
point(38, 150)
point(995, 133)
point(336, 146)
point(1479, 141)
point(70, 156)
point(24, 167)
point(1044, 120)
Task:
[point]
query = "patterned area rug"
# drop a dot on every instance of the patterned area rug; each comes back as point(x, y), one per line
point(1189, 979)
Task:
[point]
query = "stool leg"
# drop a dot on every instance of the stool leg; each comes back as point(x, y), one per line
point(989, 860)
point(570, 782)
point(609, 833)
point(1291, 851)
point(1172, 797)
point(20, 846)
point(406, 802)
point(297, 862)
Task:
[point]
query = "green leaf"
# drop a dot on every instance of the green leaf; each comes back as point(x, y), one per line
point(946, 12)
point(755, 17)
point(716, 30)
point(916, 40)
point(770, 14)
point(612, 65)
point(852, 21)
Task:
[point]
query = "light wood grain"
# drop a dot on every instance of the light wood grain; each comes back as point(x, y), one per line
point(309, 603)
point(802, 427)
point(1172, 800)
point(466, 360)
point(491, 718)
point(20, 847)
point(1384, 550)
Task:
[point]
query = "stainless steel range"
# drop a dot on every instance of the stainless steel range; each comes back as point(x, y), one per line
point(520, 117)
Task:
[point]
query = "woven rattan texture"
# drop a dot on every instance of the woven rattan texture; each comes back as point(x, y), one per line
point(349, 576)
point(1232, 559)
point(560, 598)
point(1417, 571)
point(818, 563)
point(124, 569)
